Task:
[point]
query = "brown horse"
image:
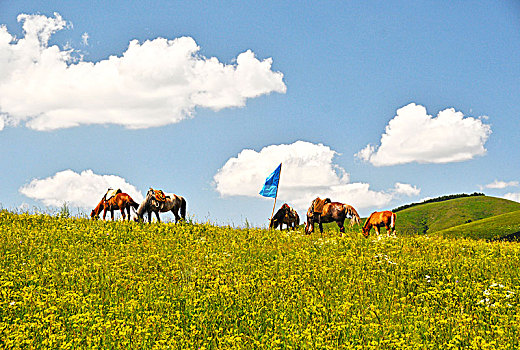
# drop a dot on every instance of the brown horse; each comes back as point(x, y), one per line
point(379, 219)
point(334, 211)
point(285, 215)
point(121, 201)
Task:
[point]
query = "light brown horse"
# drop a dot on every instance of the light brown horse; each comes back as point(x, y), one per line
point(334, 211)
point(121, 201)
point(379, 219)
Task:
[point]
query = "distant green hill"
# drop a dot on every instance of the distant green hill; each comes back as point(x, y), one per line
point(492, 228)
point(432, 217)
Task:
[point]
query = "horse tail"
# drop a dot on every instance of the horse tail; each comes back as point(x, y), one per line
point(183, 208)
point(131, 202)
point(392, 221)
point(355, 219)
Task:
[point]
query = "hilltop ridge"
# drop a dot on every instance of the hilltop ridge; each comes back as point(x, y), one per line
point(437, 216)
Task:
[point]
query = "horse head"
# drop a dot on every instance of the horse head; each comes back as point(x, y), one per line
point(93, 214)
point(365, 230)
point(309, 224)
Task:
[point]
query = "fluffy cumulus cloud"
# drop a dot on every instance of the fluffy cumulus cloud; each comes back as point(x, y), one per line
point(83, 190)
point(501, 184)
point(308, 171)
point(153, 83)
point(414, 136)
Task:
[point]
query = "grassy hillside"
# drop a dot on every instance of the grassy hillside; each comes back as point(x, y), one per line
point(432, 217)
point(491, 228)
point(75, 283)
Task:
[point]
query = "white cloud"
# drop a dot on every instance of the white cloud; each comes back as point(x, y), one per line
point(153, 83)
point(414, 136)
point(501, 184)
point(308, 171)
point(83, 190)
point(513, 196)
point(406, 189)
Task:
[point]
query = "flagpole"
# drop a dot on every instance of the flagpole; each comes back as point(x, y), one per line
point(276, 195)
point(272, 213)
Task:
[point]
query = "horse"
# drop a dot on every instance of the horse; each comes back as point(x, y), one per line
point(285, 215)
point(121, 201)
point(379, 219)
point(171, 203)
point(334, 211)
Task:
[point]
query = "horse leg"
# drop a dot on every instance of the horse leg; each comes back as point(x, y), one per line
point(149, 217)
point(321, 227)
point(157, 215)
point(177, 217)
point(341, 227)
point(104, 213)
point(122, 210)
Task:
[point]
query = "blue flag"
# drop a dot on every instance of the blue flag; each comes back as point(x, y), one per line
point(270, 188)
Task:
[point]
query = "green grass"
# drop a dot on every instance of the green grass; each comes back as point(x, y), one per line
point(492, 228)
point(432, 217)
point(75, 283)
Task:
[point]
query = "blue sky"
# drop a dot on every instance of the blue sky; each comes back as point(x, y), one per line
point(372, 103)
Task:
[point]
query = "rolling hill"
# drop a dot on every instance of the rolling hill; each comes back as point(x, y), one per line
point(433, 217)
point(499, 227)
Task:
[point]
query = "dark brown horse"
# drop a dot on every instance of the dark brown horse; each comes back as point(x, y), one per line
point(121, 201)
point(379, 219)
point(331, 212)
point(285, 215)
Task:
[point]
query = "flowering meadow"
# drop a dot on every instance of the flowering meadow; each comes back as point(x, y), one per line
point(74, 283)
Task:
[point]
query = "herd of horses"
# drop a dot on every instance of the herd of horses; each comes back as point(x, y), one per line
point(320, 212)
point(151, 204)
point(333, 212)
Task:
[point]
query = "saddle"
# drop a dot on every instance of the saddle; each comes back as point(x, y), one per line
point(291, 214)
point(112, 193)
point(319, 204)
point(159, 195)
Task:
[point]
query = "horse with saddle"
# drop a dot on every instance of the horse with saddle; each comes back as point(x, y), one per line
point(324, 210)
point(285, 215)
point(157, 201)
point(112, 200)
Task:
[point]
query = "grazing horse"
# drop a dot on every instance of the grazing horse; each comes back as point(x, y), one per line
point(379, 219)
point(285, 215)
point(121, 201)
point(171, 203)
point(334, 211)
